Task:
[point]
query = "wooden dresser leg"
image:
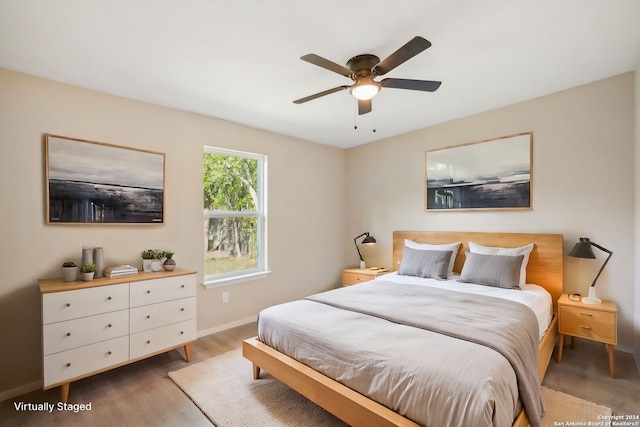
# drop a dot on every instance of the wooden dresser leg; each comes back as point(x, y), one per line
point(612, 369)
point(64, 392)
point(256, 371)
point(187, 352)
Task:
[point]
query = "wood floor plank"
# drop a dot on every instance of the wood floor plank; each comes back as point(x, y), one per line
point(142, 394)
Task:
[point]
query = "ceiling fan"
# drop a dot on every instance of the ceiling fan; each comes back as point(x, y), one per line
point(363, 69)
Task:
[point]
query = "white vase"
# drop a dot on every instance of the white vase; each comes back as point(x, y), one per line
point(147, 265)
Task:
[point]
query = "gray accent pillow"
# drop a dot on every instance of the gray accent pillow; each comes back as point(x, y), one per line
point(502, 271)
point(422, 263)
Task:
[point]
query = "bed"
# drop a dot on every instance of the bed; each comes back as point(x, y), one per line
point(544, 268)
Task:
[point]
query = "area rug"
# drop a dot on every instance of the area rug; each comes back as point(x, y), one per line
point(225, 391)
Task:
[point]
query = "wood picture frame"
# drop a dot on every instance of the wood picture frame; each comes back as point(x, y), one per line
point(490, 174)
point(89, 182)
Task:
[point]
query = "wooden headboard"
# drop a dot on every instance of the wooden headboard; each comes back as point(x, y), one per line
point(545, 267)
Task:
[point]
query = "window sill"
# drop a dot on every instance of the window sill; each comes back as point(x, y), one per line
point(236, 279)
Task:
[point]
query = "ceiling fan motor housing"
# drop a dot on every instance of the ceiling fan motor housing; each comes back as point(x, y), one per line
point(362, 64)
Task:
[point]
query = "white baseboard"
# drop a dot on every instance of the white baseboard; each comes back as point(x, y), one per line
point(226, 326)
point(18, 391)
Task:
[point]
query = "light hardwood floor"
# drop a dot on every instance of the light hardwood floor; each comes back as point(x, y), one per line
point(141, 394)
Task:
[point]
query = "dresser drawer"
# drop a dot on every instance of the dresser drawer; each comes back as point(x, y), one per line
point(160, 290)
point(156, 340)
point(161, 314)
point(64, 366)
point(70, 334)
point(60, 306)
point(592, 324)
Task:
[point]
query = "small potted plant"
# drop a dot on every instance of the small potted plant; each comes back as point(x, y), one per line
point(149, 258)
point(87, 270)
point(169, 263)
point(69, 271)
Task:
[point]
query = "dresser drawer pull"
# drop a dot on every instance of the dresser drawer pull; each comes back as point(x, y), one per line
point(148, 292)
point(586, 328)
point(586, 314)
point(148, 341)
point(181, 332)
point(182, 309)
point(108, 298)
point(148, 316)
point(68, 334)
point(109, 325)
point(182, 286)
point(68, 364)
point(109, 353)
point(68, 304)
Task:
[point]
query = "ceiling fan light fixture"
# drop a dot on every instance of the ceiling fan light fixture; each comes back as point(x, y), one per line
point(365, 89)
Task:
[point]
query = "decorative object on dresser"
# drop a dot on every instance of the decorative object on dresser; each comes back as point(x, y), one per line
point(91, 327)
point(98, 260)
point(69, 271)
point(87, 271)
point(149, 257)
point(368, 240)
point(352, 276)
point(169, 262)
point(596, 322)
point(120, 270)
point(582, 249)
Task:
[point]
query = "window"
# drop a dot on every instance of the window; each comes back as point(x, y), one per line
point(234, 186)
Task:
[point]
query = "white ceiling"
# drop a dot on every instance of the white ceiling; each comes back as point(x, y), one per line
point(239, 60)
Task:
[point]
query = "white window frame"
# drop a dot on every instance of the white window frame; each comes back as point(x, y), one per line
point(261, 270)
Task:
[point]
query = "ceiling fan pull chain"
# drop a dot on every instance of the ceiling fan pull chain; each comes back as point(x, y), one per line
point(355, 117)
point(373, 116)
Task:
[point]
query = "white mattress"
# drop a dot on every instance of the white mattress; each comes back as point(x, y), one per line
point(533, 296)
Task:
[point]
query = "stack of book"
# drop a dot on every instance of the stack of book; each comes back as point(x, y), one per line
point(120, 270)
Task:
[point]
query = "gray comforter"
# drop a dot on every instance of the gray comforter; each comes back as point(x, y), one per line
point(435, 356)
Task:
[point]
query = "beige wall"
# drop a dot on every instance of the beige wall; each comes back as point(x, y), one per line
point(305, 212)
point(583, 174)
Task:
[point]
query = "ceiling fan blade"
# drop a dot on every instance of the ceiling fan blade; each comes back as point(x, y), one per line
point(423, 85)
point(364, 106)
point(405, 53)
point(314, 59)
point(319, 94)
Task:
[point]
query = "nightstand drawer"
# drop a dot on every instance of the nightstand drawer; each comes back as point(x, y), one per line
point(586, 323)
point(354, 278)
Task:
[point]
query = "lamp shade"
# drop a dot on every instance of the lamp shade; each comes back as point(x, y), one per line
point(582, 249)
point(368, 240)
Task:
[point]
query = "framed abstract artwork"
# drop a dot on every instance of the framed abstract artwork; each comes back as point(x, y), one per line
point(489, 174)
point(90, 182)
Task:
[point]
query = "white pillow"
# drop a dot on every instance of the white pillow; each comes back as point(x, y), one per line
point(453, 247)
point(493, 250)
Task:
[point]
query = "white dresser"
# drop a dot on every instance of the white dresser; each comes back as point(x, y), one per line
point(91, 327)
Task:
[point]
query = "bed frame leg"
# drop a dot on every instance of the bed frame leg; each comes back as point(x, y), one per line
point(256, 372)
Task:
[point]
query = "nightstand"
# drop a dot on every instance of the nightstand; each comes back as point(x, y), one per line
point(352, 276)
point(597, 322)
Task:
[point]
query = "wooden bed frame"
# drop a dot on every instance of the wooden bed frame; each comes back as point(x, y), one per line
point(545, 268)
